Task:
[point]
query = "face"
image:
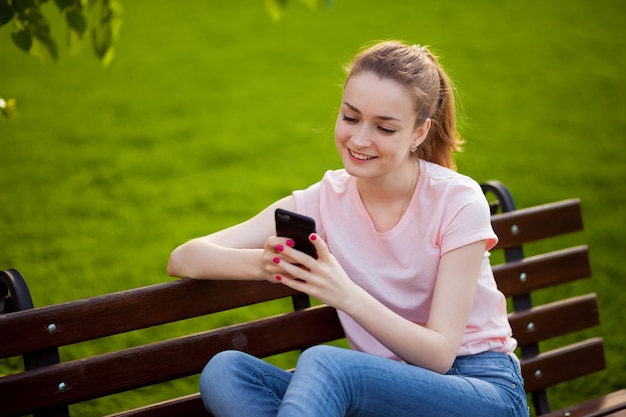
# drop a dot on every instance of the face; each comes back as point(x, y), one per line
point(375, 128)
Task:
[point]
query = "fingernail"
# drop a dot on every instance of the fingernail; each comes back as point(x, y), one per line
point(277, 277)
point(313, 237)
point(276, 260)
point(290, 243)
point(279, 248)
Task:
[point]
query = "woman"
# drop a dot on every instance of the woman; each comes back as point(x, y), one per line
point(402, 247)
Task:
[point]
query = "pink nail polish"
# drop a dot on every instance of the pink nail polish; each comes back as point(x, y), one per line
point(279, 248)
point(277, 277)
point(313, 237)
point(290, 243)
point(276, 260)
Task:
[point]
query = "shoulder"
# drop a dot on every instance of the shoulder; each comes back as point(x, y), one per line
point(439, 180)
point(338, 179)
point(333, 185)
point(324, 197)
point(459, 204)
point(333, 181)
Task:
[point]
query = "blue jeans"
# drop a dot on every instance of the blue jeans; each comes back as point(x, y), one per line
point(330, 381)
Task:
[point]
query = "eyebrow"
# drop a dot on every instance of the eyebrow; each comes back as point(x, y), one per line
point(376, 117)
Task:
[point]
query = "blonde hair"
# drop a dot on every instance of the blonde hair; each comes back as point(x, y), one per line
point(417, 69)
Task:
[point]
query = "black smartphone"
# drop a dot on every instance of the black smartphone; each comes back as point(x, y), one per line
point(296, 227)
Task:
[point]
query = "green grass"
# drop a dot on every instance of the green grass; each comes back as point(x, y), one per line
point(210, 111)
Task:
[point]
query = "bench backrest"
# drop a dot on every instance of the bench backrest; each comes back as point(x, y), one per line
point(109, 373)
point(41, 331)
point(519, 276)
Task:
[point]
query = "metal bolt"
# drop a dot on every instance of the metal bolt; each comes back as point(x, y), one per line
point(523, 277)
point(538, 373)
point(52, 328)
point(530, 327)
point(62, 386)
point(514, 229)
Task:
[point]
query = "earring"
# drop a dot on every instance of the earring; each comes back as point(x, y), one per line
point(413, 149)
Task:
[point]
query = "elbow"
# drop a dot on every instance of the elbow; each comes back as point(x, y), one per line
point(446, 359)
point(444, 366)
point(438, 365)
point(440, 359)
point(172, 271)
point(175, 264)
point(184, 261)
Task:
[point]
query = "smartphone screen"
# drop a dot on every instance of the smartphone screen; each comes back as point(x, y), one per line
point(296, 227)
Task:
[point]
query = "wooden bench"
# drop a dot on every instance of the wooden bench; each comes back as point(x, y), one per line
point(47, 386)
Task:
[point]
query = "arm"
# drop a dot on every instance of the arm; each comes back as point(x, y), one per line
point(232, 253)
point(434, 346)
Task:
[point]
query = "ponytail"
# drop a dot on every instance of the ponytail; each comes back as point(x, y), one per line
point(443, 138)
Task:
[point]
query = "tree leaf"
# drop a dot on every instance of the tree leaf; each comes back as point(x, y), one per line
point(22, 39)
point(43, 49)
point(101, 39)
point(6, 12)
point(23, 5)
point(64, 4)
point(38, 23)
point(106, 30)
point(76, 21)
point(74, 41)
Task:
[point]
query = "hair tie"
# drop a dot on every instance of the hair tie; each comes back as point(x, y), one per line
point(419, 48)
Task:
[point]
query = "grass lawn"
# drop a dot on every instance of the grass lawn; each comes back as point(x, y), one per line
point(210, 111)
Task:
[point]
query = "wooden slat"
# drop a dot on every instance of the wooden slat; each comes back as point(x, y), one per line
point(556, 366)
point(107, 374)
point(536, 223)
point(188, 406)
point(613, 404)
point(555, 319)
point(109, 314)
point(543, 271)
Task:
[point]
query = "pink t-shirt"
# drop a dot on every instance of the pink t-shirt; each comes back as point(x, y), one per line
point(399, 267)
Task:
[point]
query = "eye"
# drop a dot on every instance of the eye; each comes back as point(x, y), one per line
point(387, 131)
point(349, 119)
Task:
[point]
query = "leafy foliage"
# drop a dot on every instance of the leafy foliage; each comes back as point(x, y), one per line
point(275, 8)
point(32, 31)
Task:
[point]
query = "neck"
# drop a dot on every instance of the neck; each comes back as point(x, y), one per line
point(387, 198)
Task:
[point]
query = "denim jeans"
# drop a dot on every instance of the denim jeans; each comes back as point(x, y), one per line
point(330, 381)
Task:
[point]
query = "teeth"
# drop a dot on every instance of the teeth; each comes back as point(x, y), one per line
point(360, 156)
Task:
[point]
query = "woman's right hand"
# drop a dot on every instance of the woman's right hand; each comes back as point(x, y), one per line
point(273, 255)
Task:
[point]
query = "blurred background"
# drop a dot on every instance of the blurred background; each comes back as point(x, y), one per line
point(211, 110)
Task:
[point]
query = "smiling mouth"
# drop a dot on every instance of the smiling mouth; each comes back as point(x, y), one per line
point(360, 156)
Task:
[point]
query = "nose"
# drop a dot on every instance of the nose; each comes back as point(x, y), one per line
point(361, 136)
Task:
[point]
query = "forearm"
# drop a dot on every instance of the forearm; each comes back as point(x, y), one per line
point(415, 344)
point(202, 259)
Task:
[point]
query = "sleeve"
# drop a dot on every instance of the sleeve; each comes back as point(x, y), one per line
point(308, 203)
point(467, 219)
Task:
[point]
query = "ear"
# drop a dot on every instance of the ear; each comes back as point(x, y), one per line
point(421, 133)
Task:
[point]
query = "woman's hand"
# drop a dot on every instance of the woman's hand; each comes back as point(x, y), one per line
point(322, 278)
